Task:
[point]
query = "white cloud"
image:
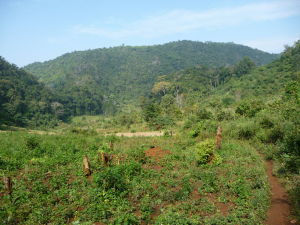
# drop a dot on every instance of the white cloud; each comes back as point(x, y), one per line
point(178, 21)
point(273, 45)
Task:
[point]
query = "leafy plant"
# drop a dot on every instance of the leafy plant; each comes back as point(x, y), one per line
point(205, 152)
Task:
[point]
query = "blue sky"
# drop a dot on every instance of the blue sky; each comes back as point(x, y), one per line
point(39, 30)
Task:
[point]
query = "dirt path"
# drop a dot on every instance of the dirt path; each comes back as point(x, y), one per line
point(141, 134)
point(280, 208)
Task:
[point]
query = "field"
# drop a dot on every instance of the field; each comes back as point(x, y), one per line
point(150, 180)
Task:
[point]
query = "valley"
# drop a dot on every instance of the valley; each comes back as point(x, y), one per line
point(103, 137)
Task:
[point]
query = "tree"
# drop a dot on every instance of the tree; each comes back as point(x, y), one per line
point(243, 67)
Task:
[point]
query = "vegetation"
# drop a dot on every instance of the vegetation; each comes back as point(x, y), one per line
point(49, 185)
point(180, 177)
point(114, 77)
point(26, 102)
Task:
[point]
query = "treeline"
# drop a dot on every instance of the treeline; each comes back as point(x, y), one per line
point(24, 101)
point(121, 74)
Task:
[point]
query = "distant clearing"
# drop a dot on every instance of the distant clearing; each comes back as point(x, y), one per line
point(141, 134)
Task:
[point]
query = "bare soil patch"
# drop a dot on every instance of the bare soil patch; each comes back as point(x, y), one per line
point(157, 153)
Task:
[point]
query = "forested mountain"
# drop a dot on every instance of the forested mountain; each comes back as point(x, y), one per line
point(112, 75)
point(243, 86)
point(242, 80)
point(24, 101)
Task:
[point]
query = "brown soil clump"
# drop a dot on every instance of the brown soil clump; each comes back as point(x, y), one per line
point(157, 153)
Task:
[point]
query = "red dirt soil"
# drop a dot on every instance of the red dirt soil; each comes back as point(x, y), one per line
point(279, 211)
point(157, 153)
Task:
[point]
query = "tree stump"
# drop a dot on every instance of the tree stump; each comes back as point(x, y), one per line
point(111, 145)
point(86, 166)
point(8, 185)
point(219, 138)
point(105, 158)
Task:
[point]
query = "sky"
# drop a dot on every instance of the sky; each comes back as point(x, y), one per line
point(40, 30)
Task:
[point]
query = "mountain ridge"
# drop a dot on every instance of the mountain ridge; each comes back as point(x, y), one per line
point(121, 74)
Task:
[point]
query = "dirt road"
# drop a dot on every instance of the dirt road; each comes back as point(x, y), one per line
point(279, 211)
point(141, 134)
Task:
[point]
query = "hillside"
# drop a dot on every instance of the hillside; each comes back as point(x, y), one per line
point(24, 101)
point(125, 73)
point(240, 81)
point(89, 172)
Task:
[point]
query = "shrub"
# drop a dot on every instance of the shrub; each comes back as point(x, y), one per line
point(249, 108)
point(291, 150)
point(115, 178)
point(32, 142)
point(266, 122)
point(247, 130)
point(126, 219)
point(203, 114)
point(228, 101)
point(111, 179)
point(205, 125)
point(205, 152)
point(223, 115)
point(185, 191)
point(188, 124)
point(275, 134)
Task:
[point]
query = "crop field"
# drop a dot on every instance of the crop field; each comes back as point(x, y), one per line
point(147, 180)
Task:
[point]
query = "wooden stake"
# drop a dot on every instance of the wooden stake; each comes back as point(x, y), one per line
point(219, 138)
point(86, 166)
point(8, 185)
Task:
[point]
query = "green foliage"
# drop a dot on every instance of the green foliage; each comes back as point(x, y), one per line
point(203, 114)
point(32, 142)
point(126, 219)
point(176, 218)
point(26, 102)
point(202, 127)
point(243, 67)
point(185, 191)
point(115, 178)
point(95, 81)
point(205, 153)
point(247, 130)
point(249, 108)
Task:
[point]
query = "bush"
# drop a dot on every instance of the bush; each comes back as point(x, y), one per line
point(249, 108)
point(188, 124)
point(203, 114)
point(247, 130)
point(205, 125)
point(115, 178)
point(275, 134)
point(185, 191)
point(32, 142)
point(111, 179)
point(223, 115)
point(205, 152)
point(266, 122)
point(228, 101)
point(291, 150)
